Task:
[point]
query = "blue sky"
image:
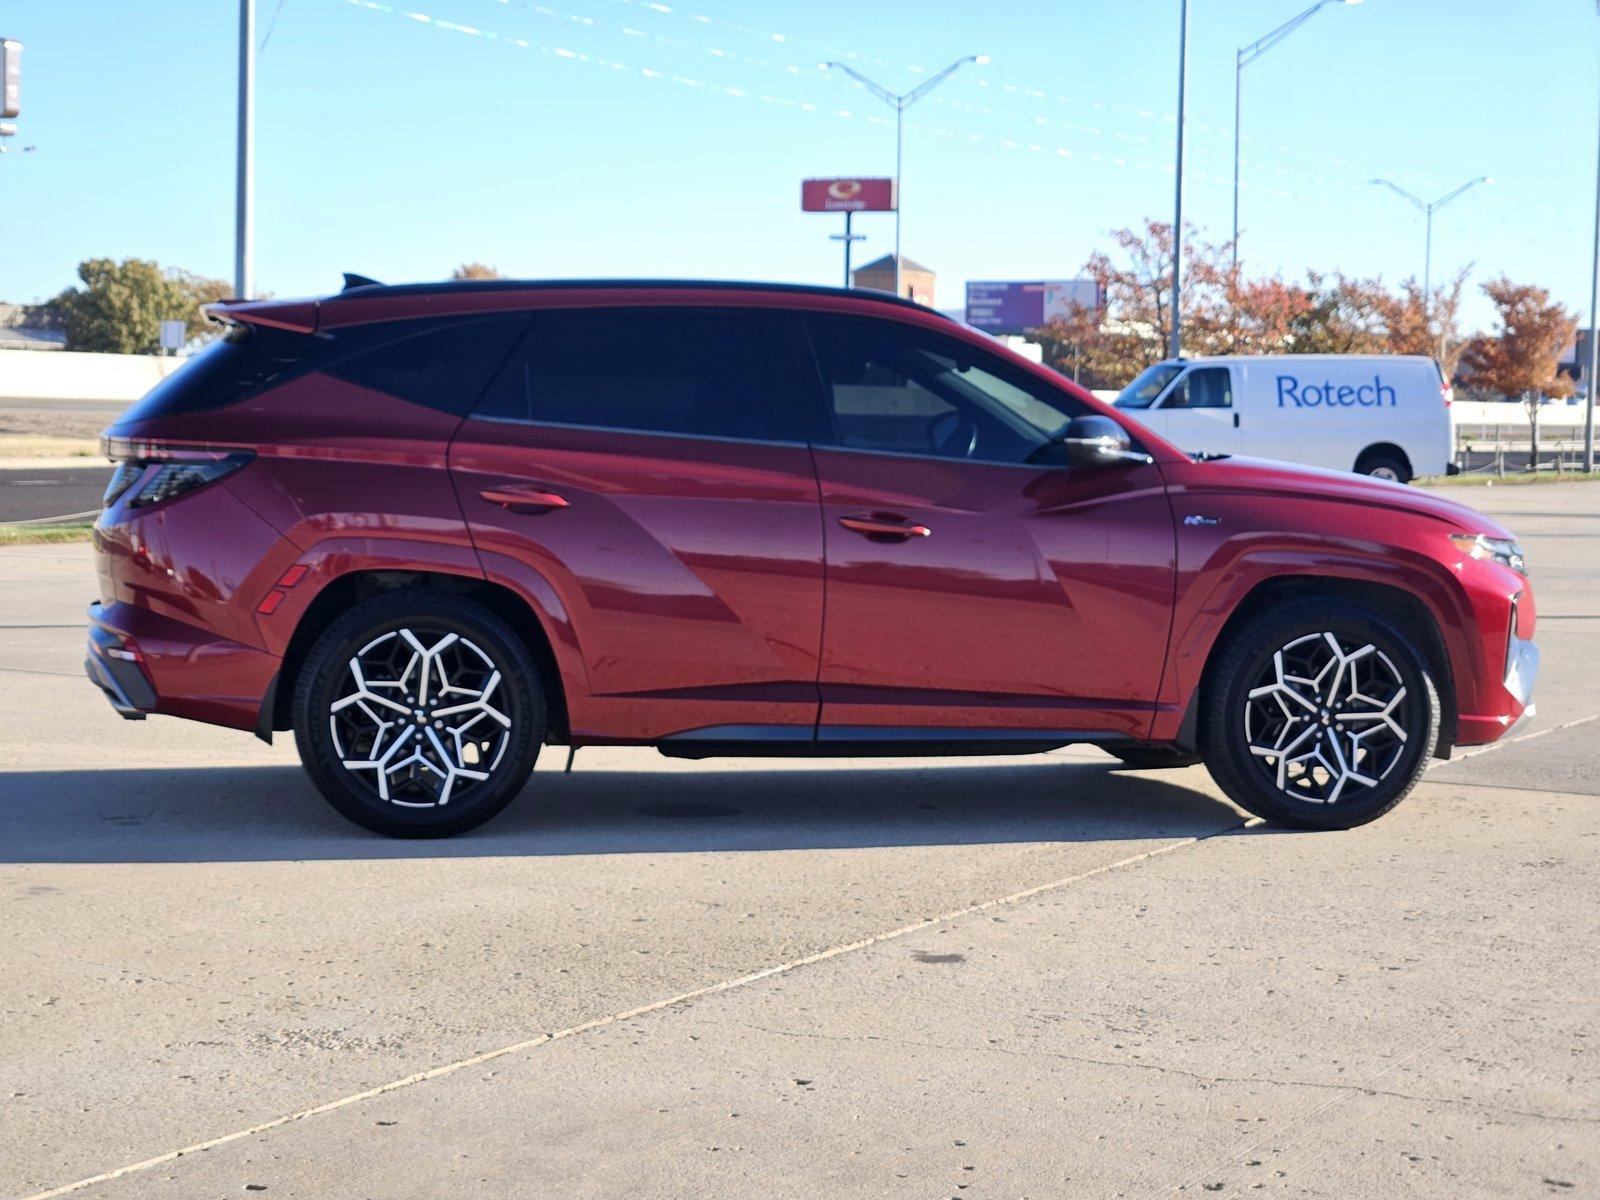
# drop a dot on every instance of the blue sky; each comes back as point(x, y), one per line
point(398, 147)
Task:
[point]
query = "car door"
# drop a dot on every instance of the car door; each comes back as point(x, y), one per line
point(650, 467)
point(1198, 414)
point(967, 587)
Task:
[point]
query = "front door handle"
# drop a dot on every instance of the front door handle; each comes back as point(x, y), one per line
point(519, 499)
point(1236, 420)
point(884, 527)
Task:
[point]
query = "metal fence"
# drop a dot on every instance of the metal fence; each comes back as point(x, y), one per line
point(1507, 448)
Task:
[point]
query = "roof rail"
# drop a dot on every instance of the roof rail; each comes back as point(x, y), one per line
point(710, 285)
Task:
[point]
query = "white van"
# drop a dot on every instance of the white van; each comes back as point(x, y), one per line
point(1382, 415)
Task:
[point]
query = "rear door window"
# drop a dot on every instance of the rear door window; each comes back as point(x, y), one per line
point(692, 373)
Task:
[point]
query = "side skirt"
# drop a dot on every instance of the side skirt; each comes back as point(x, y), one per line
point(865, 741)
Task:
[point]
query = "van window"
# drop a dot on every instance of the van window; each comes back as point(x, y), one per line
point(1203, 387)
point(1147, 386)
point(693, 373)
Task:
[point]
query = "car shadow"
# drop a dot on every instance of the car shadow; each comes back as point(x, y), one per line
point(255, 814)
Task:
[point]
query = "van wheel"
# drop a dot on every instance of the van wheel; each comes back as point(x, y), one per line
point(1384, 466)
point(1320, 714)
point(418, 714)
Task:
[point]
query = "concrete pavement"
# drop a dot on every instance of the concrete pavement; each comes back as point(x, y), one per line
point(998, 977)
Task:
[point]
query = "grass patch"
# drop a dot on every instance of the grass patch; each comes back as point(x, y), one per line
point(43, 535)
point(1516, 479)
point(46, 445)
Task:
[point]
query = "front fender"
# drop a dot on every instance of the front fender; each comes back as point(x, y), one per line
point(1216, 579)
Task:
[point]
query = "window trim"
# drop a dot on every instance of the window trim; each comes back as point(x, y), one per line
point(796, 396)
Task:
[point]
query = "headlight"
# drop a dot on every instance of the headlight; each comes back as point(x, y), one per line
point(1504, 551)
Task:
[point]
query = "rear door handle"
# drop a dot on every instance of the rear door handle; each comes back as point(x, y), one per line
point(1236, 420)
point(520, 499)
point(884, 527)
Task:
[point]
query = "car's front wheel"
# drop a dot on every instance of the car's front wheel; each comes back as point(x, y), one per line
point(418, 714)
point(1320, 714)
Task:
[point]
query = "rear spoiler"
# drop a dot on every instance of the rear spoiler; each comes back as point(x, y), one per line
point(300, 316)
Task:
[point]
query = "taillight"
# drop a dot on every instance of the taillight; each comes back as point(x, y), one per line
point(152, 472)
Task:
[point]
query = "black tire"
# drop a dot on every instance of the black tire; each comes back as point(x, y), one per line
point(1153, 757)
point(1384, 466)
point(1231, 717)
point(483, 644)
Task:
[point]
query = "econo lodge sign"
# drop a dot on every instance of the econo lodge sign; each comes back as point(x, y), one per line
point(847, 195)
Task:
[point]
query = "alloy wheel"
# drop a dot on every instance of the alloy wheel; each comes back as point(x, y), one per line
point(1326, 719)
point(419, 718)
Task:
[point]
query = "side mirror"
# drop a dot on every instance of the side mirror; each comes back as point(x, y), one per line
point(1099, 442)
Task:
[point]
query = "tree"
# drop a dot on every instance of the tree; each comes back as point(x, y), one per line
point(476, 270)
point(1523, 359)
point(1524, 356)
point(120, 307)
point(1223, 313)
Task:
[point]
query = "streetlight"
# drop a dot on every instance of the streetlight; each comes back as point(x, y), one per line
point(1427, 210)
point(244, 214)
point(1245, 56)
point(900, 102)
point(1594, 330)
point(1175, 341)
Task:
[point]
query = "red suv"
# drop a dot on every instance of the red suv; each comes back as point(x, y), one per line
point(431, 528)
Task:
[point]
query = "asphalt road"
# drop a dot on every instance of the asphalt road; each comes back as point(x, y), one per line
point(31, 492)
point(649, 978)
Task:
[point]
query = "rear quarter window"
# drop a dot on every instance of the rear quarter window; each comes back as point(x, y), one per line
point(246, 360)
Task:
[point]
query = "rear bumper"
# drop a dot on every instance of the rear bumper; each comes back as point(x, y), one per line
point(148, 663)
point(114, 669)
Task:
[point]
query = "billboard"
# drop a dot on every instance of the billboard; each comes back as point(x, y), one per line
point(1006, 307)
point(847, 195)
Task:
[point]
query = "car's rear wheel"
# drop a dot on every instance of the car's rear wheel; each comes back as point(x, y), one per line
point(418, 714)
point(1320, 714)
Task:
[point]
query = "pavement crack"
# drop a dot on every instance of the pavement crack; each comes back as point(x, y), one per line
point(1198, 1076)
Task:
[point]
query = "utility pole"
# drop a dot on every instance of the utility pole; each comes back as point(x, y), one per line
point(244, 212)
point(1175, 350)
point(847, 237)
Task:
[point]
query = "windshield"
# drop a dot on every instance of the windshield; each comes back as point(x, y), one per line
point(1147, 386)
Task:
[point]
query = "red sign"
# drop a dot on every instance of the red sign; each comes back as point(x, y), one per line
point(847, 195)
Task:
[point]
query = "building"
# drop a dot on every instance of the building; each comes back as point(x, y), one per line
point(916, 280)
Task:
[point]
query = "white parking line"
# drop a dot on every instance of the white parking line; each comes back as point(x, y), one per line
point(1524, 737)
point(628, 1014)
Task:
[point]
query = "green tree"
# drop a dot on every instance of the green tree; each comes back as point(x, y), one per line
point(120, 307)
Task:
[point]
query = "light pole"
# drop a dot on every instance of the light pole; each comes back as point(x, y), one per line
point(244, 204)
point(1175, 348)
point(1594, 329)
point(1427, 209)
point(1245, 56)
point(900, 102)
